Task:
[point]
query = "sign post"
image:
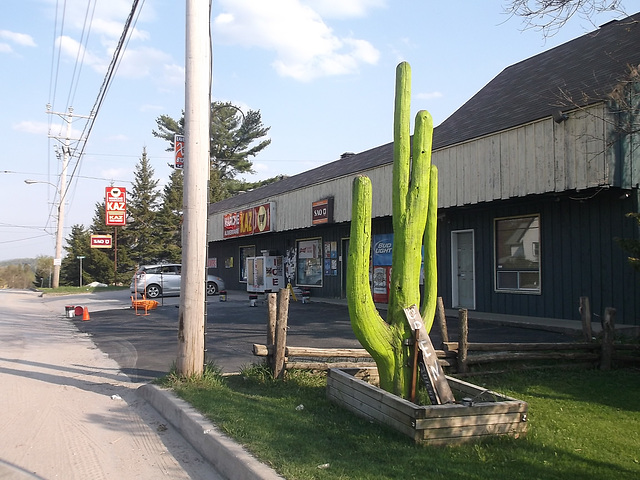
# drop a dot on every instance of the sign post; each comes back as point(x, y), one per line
point(80, 257)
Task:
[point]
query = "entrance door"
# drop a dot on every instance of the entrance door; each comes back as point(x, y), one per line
point(463, 269)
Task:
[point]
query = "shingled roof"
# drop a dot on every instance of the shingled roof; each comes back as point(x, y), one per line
point(585, 70)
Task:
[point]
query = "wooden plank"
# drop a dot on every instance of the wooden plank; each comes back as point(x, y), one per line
point(475, 391)
point(461, 434)
point(327, 352)
point(359, 404)
point(326, 365)
point(467, 420)
point(372, 393)
point(480, 408)
point(495, 347)
point(522, 356)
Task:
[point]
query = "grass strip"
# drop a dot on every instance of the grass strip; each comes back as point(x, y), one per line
point(584, 424)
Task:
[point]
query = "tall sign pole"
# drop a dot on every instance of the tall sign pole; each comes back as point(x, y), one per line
point(197, 123)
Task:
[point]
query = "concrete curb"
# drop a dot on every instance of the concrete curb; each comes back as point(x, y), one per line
point(228, 457)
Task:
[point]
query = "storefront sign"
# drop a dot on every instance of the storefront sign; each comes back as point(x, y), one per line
point(322, 211)
point(100, 241)
point(248, 221)
point(116, 204)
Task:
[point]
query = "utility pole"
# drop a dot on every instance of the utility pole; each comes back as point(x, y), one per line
point(197, 124)
point(62, 189)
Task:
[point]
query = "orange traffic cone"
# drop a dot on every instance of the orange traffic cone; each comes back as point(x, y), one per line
point(85, 314)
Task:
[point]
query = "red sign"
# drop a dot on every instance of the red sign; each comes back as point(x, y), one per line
point(100, 241)
point(248, 221)
point(322, 211)
point(116, 206)
point(178, 150)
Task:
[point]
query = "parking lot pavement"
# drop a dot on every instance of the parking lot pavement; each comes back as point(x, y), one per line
point(145, 346)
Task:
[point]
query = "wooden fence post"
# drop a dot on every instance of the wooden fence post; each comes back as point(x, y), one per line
point(463, 342)
point(608, 326)
point(442, 320)
point(585, 314)
point(271, 327)
point(281, 333)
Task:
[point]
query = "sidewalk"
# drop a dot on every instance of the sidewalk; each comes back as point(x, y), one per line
point(66, 410)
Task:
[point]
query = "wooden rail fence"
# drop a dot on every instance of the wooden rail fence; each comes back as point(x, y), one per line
point(459, 357)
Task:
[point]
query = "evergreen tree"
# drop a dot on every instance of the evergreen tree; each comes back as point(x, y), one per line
point(77, 244)
point(43, 271)
point(170, 218)
point(143, 235)
point(234, 139)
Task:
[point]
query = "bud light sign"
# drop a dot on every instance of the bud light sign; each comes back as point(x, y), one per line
point(382, 248)
point(382, 257)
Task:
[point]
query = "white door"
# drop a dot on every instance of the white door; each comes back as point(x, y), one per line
point(463, 269)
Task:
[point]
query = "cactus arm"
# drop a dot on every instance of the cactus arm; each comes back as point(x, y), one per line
point(430, 292)
point(401, 140)
point(368, 326)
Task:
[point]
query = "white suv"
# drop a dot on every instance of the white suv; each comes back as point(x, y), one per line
point(164, 280)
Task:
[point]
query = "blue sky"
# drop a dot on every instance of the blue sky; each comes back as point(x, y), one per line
point(321, 72)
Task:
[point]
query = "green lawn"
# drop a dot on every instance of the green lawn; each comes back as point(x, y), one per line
point(583, 424)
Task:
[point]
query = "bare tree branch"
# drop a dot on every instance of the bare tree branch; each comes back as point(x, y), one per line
point(549, 16)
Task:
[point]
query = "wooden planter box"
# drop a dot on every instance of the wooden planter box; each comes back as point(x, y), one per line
point(489, 414)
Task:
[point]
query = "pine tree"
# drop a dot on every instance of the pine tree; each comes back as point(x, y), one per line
point(170, 218)
point(77, 244)
point(235, 138)
point(143, 235)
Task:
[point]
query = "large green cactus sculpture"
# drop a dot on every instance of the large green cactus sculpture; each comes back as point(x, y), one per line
point(414, 207)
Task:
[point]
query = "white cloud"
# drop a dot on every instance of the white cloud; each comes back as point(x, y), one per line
point(38, 128)
point(44, 129)
point(5, 48)
point(18, 38)
point(305, 46)
point(71, 49)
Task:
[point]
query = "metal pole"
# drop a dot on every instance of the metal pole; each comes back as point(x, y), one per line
point(79, 257)
point(197, 125)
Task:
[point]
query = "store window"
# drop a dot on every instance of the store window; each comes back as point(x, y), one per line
point(247, 251)
point(309, 263)
point(517, 241)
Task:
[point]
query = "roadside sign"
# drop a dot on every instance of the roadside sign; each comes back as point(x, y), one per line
point(101, 241)
point(430, 370)
point(178, 150)
point(116, 206)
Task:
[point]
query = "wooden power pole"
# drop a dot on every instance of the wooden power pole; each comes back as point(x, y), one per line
point(197, 110)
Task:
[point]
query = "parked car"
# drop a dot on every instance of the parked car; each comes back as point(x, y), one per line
point(164, 280)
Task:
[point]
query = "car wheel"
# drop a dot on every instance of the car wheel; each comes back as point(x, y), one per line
point(212, 288)
point(153, 291)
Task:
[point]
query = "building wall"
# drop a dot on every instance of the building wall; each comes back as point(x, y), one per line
point(540, 157)
point(579, 255)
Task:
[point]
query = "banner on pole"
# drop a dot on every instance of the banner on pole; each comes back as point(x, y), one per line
point(178, 150)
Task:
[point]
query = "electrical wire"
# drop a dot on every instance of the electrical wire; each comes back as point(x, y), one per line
point(82, 49)
point(111, 70)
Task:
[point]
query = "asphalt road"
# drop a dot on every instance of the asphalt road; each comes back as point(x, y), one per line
point(145, 347)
